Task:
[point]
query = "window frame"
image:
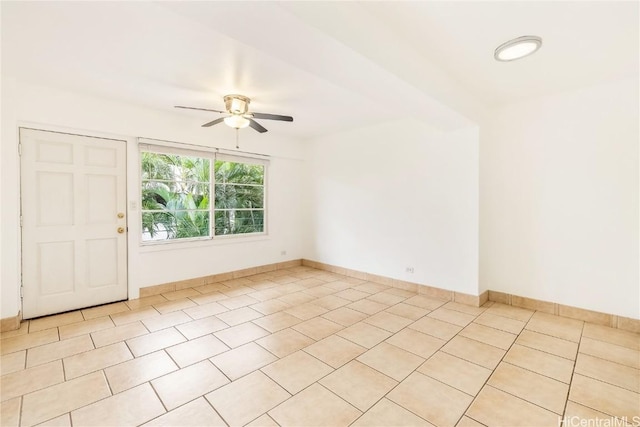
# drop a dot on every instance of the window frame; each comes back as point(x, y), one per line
point(212, 156)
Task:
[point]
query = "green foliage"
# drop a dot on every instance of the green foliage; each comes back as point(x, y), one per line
point(176, 196)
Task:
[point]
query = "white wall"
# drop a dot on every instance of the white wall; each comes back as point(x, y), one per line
point(397, 195)
point(54, 109)
point(559, 199)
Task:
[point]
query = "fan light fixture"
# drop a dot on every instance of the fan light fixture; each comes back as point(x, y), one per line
point(517, 48)
point(236, 121)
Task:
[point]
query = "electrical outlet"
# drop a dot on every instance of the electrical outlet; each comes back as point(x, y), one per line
point(409, 270)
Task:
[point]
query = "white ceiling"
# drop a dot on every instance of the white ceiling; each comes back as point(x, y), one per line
point(331, 65)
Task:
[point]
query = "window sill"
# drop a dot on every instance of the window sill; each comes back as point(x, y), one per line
point(200, 243)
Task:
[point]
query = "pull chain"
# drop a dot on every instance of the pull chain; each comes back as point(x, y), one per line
point(237, 143)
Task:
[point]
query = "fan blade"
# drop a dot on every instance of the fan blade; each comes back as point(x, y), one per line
point(201, 109)
point(214, 122)
point(272, 117)
point(257, 126)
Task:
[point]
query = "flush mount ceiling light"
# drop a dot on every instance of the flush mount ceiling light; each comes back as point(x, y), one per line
point(517, 48)
point(237, 122)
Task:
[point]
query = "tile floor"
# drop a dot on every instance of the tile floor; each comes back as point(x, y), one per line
point(306, 347)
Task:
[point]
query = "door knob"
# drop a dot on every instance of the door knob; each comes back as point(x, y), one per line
point(120, 230)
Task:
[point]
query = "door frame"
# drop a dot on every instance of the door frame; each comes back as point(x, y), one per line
point(132, 291)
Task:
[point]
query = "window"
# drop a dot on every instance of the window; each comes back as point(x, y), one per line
point(182, 191)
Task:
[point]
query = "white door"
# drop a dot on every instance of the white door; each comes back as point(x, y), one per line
point(74, 243)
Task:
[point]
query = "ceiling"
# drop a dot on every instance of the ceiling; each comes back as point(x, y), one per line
point(331, 65)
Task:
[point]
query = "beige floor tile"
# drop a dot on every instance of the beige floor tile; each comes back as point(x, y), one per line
point(270, 307)
point(266, 294)
point(306, 311)
point(263, 421)
point(22, 330)
point(335, 351)
point(364, 334)
point(297, 298)
point(425, 302)
point(578, 415)
point(436, 328)
point(104, 310)
point(493, 407)
point(181, 294)
point(205, 310)
point(319, 291)
point(391, 360)
point(339, 285)
point(58, 350)
point(134, 315)
point(367, 306)
point(386, 298)
point(198, 328)
point(196, 413)
point(460, 374)
point(238, 316)
point(238, 291)
point(331, 302)
point(502, 323)
point(351, 294)
point(208, 298)
point(243, 360)
point(95, 360)
point(10, 412)
point(451, 316)
point(118, 333)
point(140, 370)
point(611, 335)
point(86, 327)
point(517, 313)
point(538, 389)
point(543, 363)
point(277, 321)
point(432, 400)
point(474, 351)
point(614, 353)
point(31, 379)
point(61, 421)
point(23, 342)
point(196, 350)
point(416, 342)
point(487, 335)
point(407, 310)
point(345, 316)
point(177, 388)
point(13, 362)
point(604, 397)
point(559, 327)
point(468, 422)
point(388, 322)
point(609, 372)
point(155, 341)
point(48, 322)
point(285, 342)
point(315, 406)
point(169, 306)
point(359, 384)
point(45, 404)
point(131, 407)
point(371, 287)
point(165, 321)
point(135, 304)
point(239, 301)
point(247, 398)
point(297, 371)
point(211, 288)
point(241, 334)
point(464, 308)
point(548, 344)
point(387, 413)
point(318, 328)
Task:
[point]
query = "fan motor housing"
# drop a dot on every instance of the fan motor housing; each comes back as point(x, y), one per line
point(236, 104)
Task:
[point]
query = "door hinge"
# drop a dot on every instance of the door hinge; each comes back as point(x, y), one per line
point(21, 291)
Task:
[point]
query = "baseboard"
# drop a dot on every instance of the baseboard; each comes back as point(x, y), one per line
point(215, 278)
point(11, 323)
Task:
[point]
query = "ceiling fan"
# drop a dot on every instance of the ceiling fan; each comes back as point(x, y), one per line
point(239, 116)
